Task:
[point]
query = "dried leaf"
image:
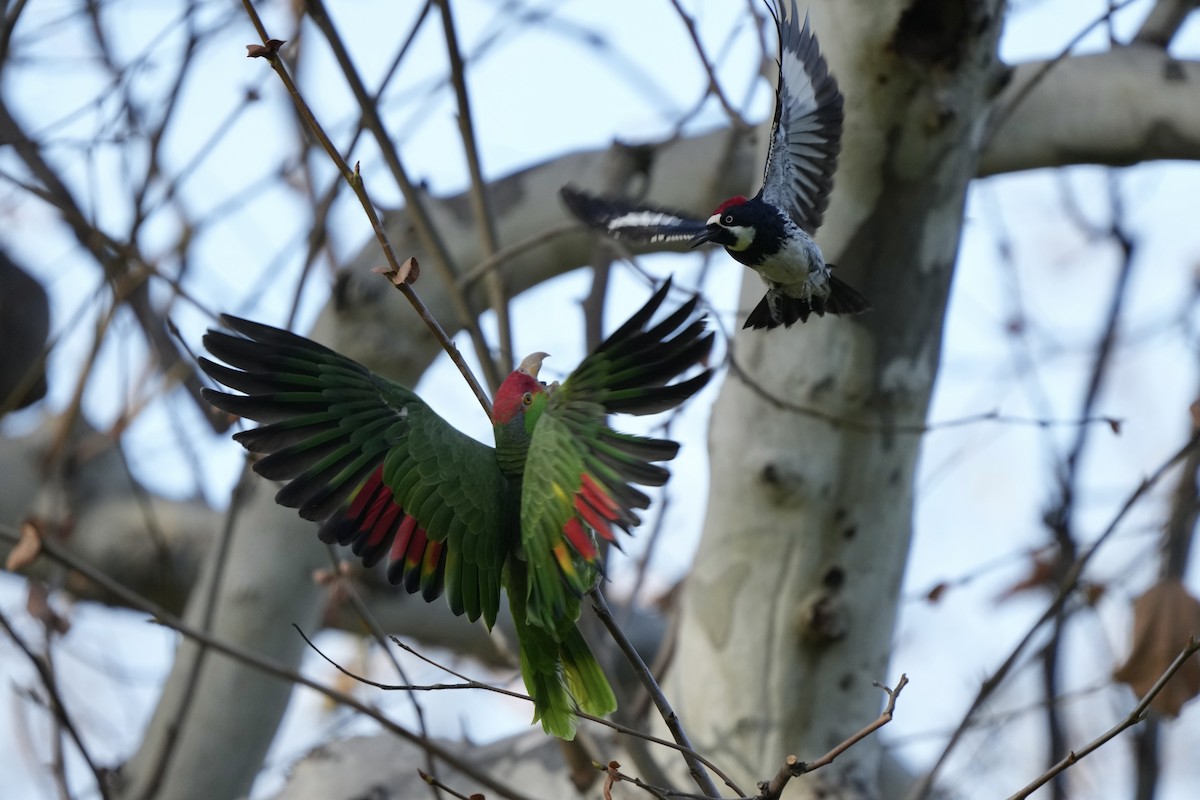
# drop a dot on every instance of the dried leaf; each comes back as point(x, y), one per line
point(27, 549)
point(1165, 618)
point(408, 272)
point(1042, 574)
point(37, 603)
point(267, 50)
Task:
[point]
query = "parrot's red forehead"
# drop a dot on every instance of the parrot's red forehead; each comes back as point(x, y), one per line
point(510, 397)
point(730, 203)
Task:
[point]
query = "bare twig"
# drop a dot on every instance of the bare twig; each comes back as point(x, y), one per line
point(438, 786)
point(423, 225)
point(480, 200)
point(1066, 589)
point(346, 587)
point(269, 50)
point(1006, 112)
point(1134, 717)
point(714, 85)
point(624, 730)
point(507, 253)
point(794, 768)
point(242, 491)
point(838, 421)
point(267, 666)
point(56, 705)
point(613, 775)
point(1164, 21)
point(673, 723)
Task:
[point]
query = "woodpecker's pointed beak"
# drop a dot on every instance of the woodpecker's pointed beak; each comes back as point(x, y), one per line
point(705, 236)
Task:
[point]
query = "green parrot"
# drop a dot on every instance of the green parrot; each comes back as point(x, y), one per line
point(389, 477)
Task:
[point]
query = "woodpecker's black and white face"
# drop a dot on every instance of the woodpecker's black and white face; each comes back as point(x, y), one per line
point(731, 225)
point(772, 232)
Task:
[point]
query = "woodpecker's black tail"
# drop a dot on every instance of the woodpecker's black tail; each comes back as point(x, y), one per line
point(843, 299)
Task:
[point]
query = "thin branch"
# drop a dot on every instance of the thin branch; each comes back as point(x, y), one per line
point(507, 253)
point(838, 421)
point(57, 706)
point(794, 768)
point(269, 51)
point(1164, 21)
point(1070, 582)
point(714, 86)
point(437, 786)
point(268, 666)
point(624, 730)
point(242, 491)
point(997, 121)
point(612, 771)
point(673, 723)
point(346, 587)
point(422, 223)
point(480, 199)
point(1134, 717)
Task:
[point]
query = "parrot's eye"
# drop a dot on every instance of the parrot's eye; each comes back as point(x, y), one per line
point(528, 398)
point(728, 220)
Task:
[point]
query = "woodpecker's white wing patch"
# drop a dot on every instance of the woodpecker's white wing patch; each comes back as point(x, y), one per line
point(622, 220)
point(807, 132)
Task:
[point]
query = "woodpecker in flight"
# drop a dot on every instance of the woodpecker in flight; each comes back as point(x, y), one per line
point(771, 232)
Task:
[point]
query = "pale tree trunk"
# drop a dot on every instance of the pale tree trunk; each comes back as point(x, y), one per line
point(788, 614)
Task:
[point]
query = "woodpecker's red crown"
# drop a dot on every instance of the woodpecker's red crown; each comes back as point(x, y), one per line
point(730, 203)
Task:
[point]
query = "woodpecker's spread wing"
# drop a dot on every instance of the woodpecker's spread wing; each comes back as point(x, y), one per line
point(621, 219)
point(807, 132)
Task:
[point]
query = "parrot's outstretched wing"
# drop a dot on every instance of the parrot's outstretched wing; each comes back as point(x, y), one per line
point(579, 473)
point(389, 475)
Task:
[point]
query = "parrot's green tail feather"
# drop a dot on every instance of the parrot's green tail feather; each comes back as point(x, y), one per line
point(560, 684)
point(552, 703)
point(586, 680)
point(560, 672)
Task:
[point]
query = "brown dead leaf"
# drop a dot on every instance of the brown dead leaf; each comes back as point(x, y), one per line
point(1165, 618)
point(27, 549)
point(267, 50)
point(408, 272)
point(37, 603)
point(1042, 574)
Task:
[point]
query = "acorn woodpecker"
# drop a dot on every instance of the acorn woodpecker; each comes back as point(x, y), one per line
point(771, 232)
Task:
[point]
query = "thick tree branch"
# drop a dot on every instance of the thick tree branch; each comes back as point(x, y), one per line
point(1164, 21)
point(1120, 107)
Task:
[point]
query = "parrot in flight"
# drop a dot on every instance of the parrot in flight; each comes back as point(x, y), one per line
point(390, 478)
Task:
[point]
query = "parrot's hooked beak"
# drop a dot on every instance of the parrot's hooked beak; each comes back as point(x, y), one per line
point(532, 363)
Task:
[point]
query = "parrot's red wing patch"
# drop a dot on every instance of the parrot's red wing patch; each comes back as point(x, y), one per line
point(578, 536)
point(595, 508)
point(374, 525)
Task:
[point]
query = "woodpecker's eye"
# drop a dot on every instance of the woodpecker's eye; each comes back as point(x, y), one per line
point(727, 219)
point(528, 398)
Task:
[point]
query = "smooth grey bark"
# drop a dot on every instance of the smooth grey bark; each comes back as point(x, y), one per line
point(787, 616)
